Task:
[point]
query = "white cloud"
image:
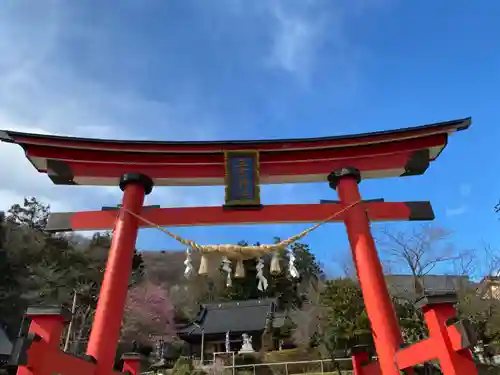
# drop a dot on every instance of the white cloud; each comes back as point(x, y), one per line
point(301, 29)
point(296, 38)
point(465, 190)
point(450, 212)
point(41, 92)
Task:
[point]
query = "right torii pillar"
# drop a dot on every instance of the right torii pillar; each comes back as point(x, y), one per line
point(383, 319)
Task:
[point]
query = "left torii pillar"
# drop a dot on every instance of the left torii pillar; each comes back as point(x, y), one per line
point(108, 317)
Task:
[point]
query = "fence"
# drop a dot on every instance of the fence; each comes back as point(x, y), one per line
point(319, 366)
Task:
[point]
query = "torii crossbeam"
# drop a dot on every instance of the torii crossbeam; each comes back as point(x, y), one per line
point(269, 214)
point(137, 166)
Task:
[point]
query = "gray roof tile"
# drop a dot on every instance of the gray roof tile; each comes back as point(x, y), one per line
point(403, 285)
point(235, 316)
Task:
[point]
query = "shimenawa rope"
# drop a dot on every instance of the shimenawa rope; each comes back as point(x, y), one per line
point(248, 251)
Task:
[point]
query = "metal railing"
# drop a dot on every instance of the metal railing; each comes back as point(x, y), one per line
point(319, 366)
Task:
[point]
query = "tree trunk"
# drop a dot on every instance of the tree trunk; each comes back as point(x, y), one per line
point(70, 327)
point(81, 330)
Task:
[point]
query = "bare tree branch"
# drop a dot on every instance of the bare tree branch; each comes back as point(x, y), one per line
point(419, 251)
point(466, 263)
point(491, 260)
point(307, 318)
point(346, 265)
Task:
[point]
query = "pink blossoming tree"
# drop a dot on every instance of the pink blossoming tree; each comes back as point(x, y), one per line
point(149, 314)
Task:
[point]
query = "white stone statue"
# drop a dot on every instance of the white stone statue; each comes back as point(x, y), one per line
point(228, 343)
point(247, 344)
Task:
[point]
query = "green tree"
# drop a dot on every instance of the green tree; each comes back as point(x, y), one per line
point(411, 320)
point(32, 214)
point(307, 264)
point(41, 268)
point(10, 300)
point(484, 313)
point(344, 322)
point(85, 278)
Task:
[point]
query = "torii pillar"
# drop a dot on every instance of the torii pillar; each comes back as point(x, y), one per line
point(383, 319)
point(105, 332)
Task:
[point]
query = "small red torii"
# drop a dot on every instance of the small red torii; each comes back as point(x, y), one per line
point(136, 166)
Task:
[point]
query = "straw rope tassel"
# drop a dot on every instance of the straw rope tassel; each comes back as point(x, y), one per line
point(275, 268)
point(239, 272)
point(203, 270)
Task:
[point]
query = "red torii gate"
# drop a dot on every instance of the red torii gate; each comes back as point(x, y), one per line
point(135, 166)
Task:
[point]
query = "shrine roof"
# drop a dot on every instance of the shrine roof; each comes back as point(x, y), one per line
point(25, 139)
point(234, 316)
point(404, 285)
point(85, 161)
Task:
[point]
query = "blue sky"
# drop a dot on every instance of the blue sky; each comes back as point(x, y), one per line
point(234, 69)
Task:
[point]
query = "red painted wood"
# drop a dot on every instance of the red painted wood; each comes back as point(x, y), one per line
point(452, 362)
point(425, 350)
point(272, 214)
point(384, 323)
point(106, 327)
point(358, 362)
point(415, 354)
point(385, 162)
point(132, 366)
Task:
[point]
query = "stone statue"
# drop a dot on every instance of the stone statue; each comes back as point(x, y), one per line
point(247, 344)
